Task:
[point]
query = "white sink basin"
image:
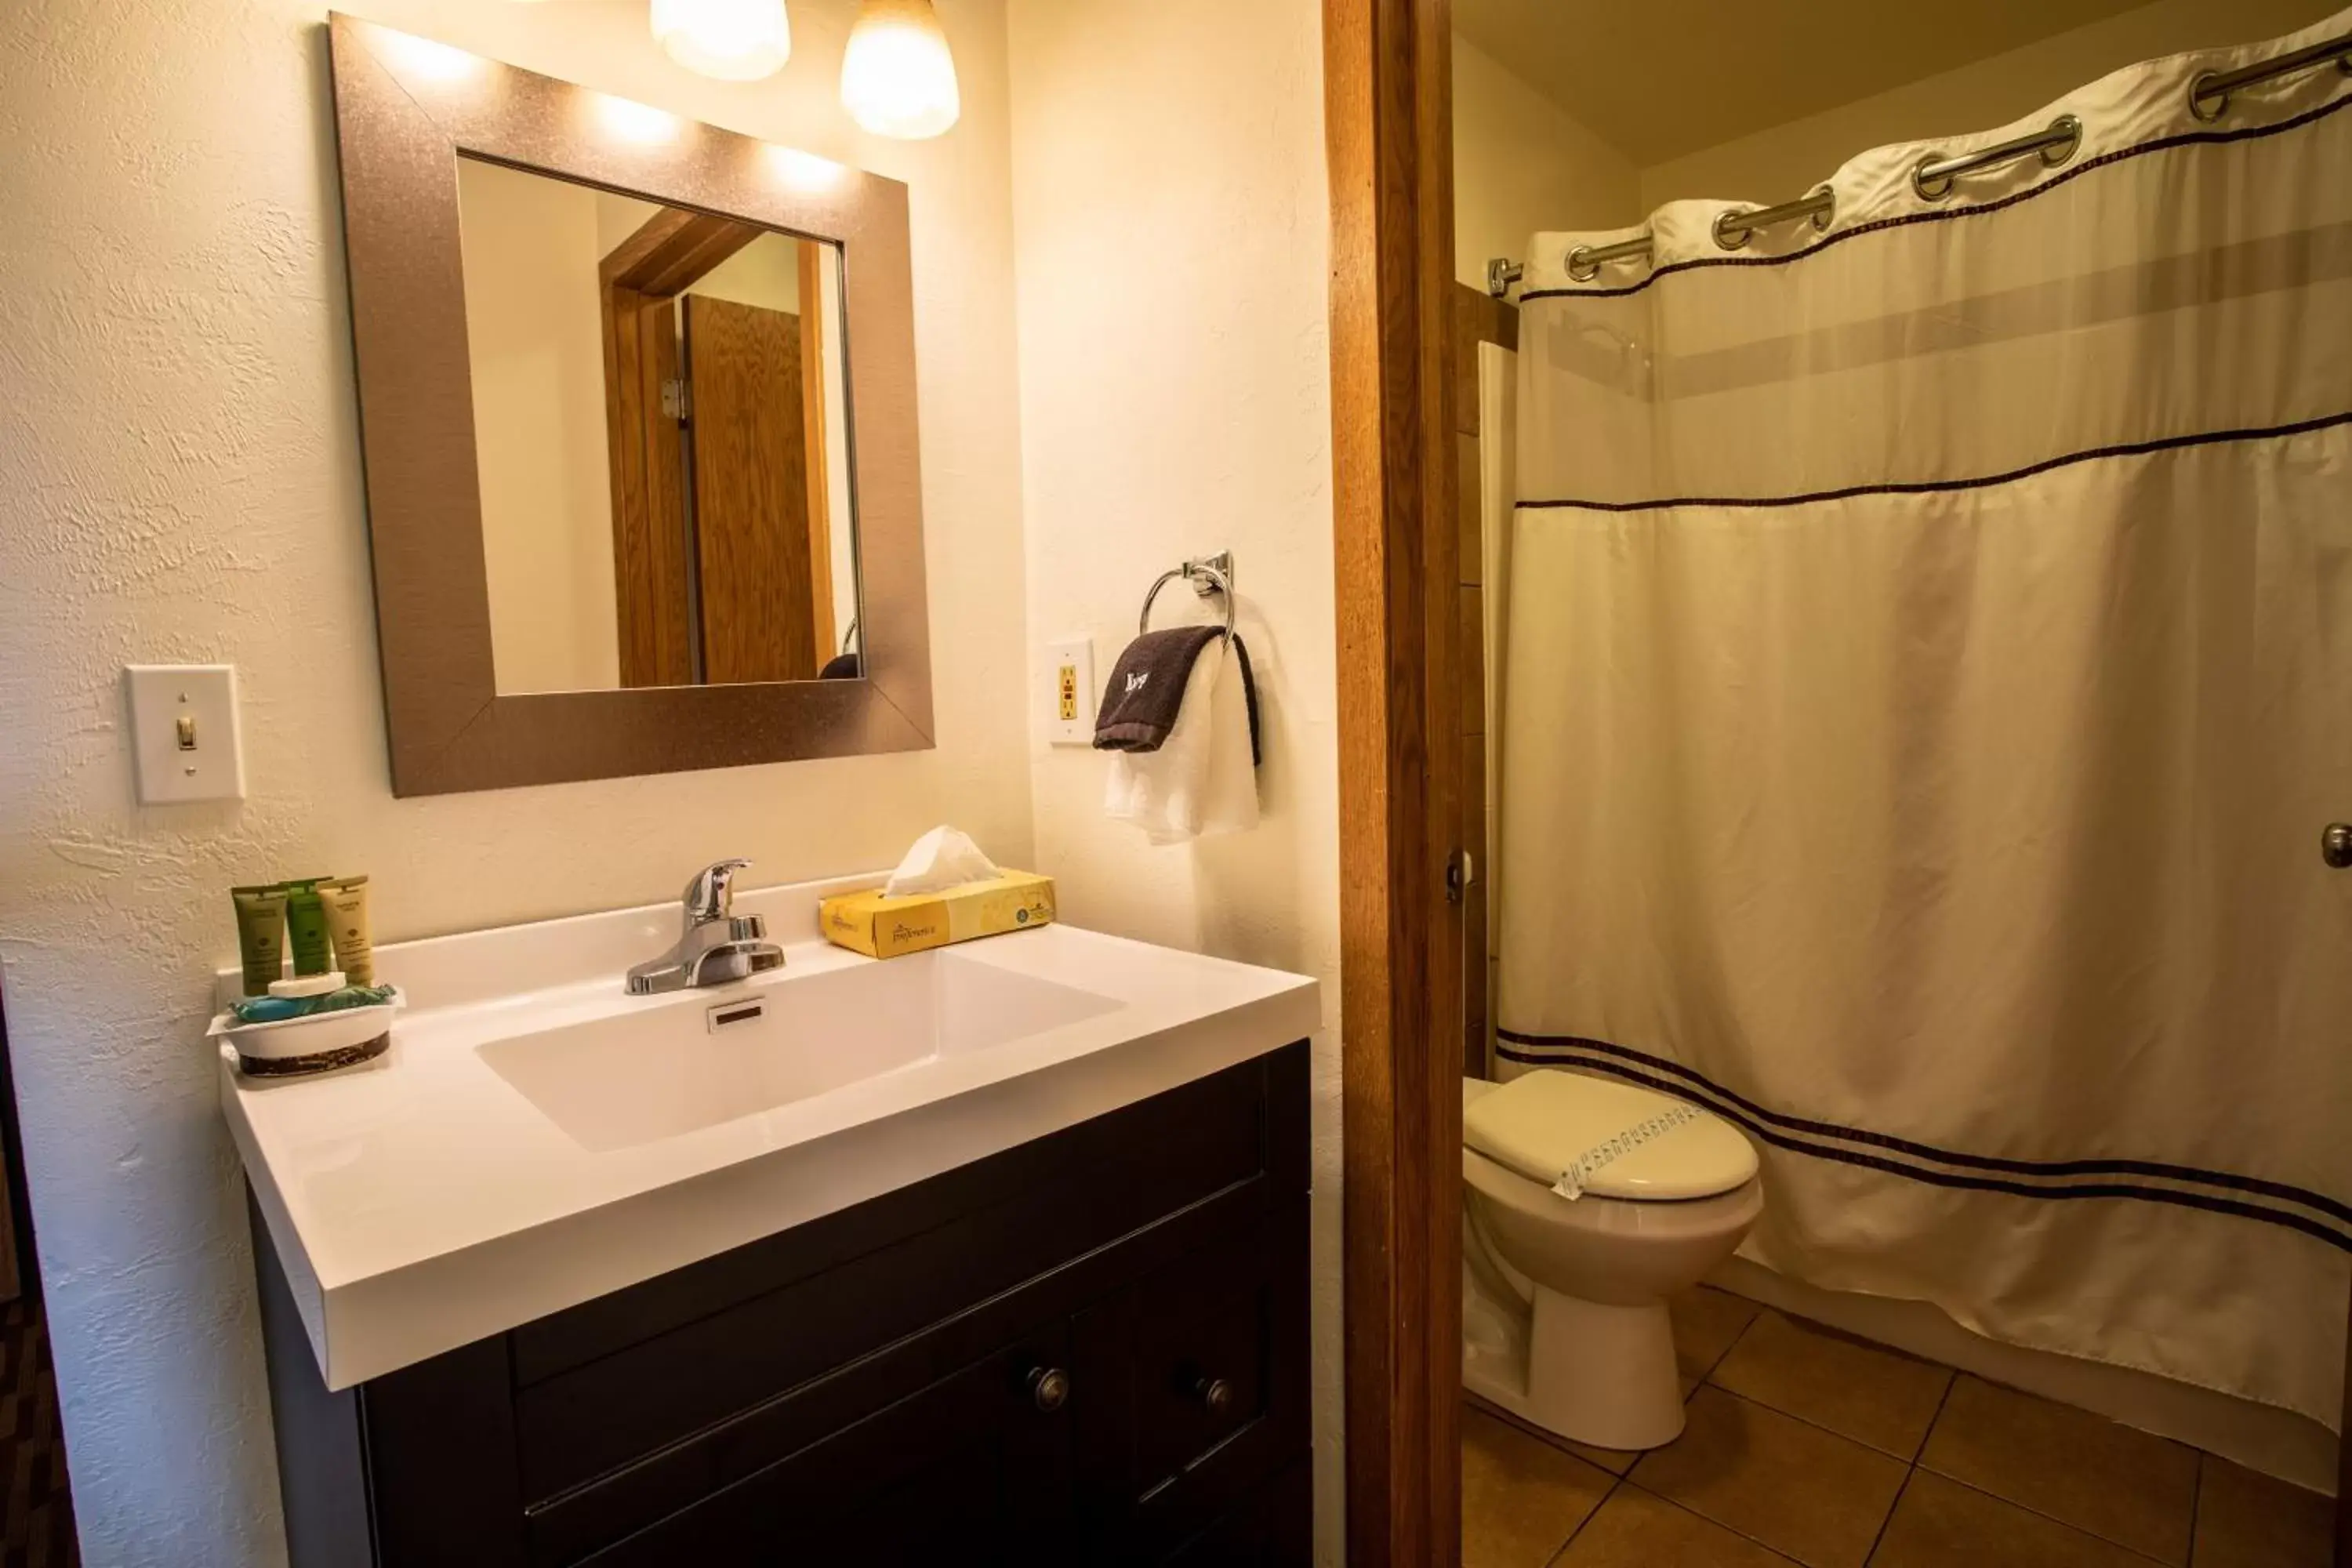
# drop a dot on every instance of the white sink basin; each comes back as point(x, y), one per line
point(705, 1058)
point(536, 1138)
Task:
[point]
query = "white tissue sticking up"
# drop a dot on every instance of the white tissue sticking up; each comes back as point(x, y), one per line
point(943, 858)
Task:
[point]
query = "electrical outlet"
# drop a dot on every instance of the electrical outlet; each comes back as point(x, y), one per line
point(1070, 692)
point(184, 733)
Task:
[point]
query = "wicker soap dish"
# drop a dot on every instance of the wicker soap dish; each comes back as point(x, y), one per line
point(313, 1043)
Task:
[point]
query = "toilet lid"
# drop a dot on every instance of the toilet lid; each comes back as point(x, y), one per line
point(1578, 1135)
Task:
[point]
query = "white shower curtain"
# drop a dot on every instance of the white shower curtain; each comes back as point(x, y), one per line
point(1929, 665)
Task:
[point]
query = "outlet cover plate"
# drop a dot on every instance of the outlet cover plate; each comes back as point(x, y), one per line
point(1070, 692)
point(185, 738)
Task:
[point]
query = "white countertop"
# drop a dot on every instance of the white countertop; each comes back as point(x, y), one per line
point(422, 1201)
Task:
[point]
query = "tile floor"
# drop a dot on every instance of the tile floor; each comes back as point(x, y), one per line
point(1807, 1446)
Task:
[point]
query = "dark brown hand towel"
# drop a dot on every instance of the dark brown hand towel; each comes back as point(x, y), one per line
point(1147, 689)
point(1249, 695)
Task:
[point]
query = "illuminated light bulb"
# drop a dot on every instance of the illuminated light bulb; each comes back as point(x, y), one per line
point(898, 77)
point(734, 40)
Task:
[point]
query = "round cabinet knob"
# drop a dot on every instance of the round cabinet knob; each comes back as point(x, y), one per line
point(1049, 1388)
point(1216, 1394)
point(2336, 845)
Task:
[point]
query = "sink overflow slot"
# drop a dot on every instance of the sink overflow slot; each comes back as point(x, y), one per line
point(728, 1013)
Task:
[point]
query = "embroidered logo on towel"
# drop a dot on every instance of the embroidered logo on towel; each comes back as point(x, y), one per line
point(1580, 1170)
point(1136, 683)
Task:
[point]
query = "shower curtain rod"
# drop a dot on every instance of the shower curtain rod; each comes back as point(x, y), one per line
point(1933, 177)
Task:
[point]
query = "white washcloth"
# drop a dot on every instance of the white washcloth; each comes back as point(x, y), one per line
point(1229, 797)
point(1201, 780)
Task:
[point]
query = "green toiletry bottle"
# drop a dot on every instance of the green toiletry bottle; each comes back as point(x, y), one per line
point(260, 936)
point(307, 930)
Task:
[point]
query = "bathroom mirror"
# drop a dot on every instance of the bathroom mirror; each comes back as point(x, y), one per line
point(661, 440)
point(637, 404)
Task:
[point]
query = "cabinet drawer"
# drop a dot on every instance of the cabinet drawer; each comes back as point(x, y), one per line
point(714, 1460)
point(721, 1345)
point(973, 1469)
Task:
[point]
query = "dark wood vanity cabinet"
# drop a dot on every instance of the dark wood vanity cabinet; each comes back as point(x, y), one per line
point(1090, 1349)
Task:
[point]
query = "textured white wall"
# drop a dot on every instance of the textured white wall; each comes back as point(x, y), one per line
point(1523, 164)
point(179, 480)
point(1171, 234)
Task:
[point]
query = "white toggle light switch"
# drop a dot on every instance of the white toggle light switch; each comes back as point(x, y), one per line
point(184, 733)
point(1070, 692)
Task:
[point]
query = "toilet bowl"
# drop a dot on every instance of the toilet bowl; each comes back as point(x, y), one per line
point(1564, 1300)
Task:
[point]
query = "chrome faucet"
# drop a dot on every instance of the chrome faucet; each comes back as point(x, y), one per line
point(717, 946)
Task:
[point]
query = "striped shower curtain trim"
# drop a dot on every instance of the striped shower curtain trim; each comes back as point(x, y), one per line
point(2217, 1192)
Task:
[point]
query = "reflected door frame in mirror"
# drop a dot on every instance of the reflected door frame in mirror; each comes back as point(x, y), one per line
point(406, 109)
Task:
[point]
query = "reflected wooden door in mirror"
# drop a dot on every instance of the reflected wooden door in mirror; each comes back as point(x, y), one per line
point(637, 403)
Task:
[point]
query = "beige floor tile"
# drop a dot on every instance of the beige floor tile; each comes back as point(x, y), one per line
point(1616, 1461)
point(1878, 1397)
point(1943, 1524)
point(2249, 1520)
point(1708, 1322)
point(2126, 1486)
point(1521, 1498)
point(1635, 1530)
point(1813, 1495)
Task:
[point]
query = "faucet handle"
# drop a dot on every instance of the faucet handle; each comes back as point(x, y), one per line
point(711, 895)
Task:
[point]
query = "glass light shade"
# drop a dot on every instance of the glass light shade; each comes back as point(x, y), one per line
point(898, 78)
point(734, 40)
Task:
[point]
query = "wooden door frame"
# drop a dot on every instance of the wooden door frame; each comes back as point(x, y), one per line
point(637, 283)
point(1388, 109)
point(1388, 106)
point(1478, 319)
point(817, 465)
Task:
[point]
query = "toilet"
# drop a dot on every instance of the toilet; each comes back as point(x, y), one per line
point(1564, 1299)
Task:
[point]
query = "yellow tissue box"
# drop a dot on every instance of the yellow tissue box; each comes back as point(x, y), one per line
point(881, 927)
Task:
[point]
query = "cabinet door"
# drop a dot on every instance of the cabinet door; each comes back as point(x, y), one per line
point(973, 1470)
point(1275, 1528)
point(1197, 1392)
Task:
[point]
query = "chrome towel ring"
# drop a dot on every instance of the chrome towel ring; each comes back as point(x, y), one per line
point(1210, 574)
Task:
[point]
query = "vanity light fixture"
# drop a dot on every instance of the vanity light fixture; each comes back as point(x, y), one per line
point(898, 77)
point(734, 40)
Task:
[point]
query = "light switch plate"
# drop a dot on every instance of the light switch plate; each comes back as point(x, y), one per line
point(1070, 692)
point(184, 733)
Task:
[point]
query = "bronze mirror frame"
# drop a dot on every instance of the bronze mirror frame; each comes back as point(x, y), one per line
point(406, 109)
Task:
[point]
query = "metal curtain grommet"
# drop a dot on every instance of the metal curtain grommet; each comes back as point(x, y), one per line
point(2200, 88)
point(2056, 152)
point(1730, 234)
point(1580, 265)
point(1929, 187)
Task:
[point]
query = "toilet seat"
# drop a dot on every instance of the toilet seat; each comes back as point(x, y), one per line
point(1579, 1136)
point(1564, 1322)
